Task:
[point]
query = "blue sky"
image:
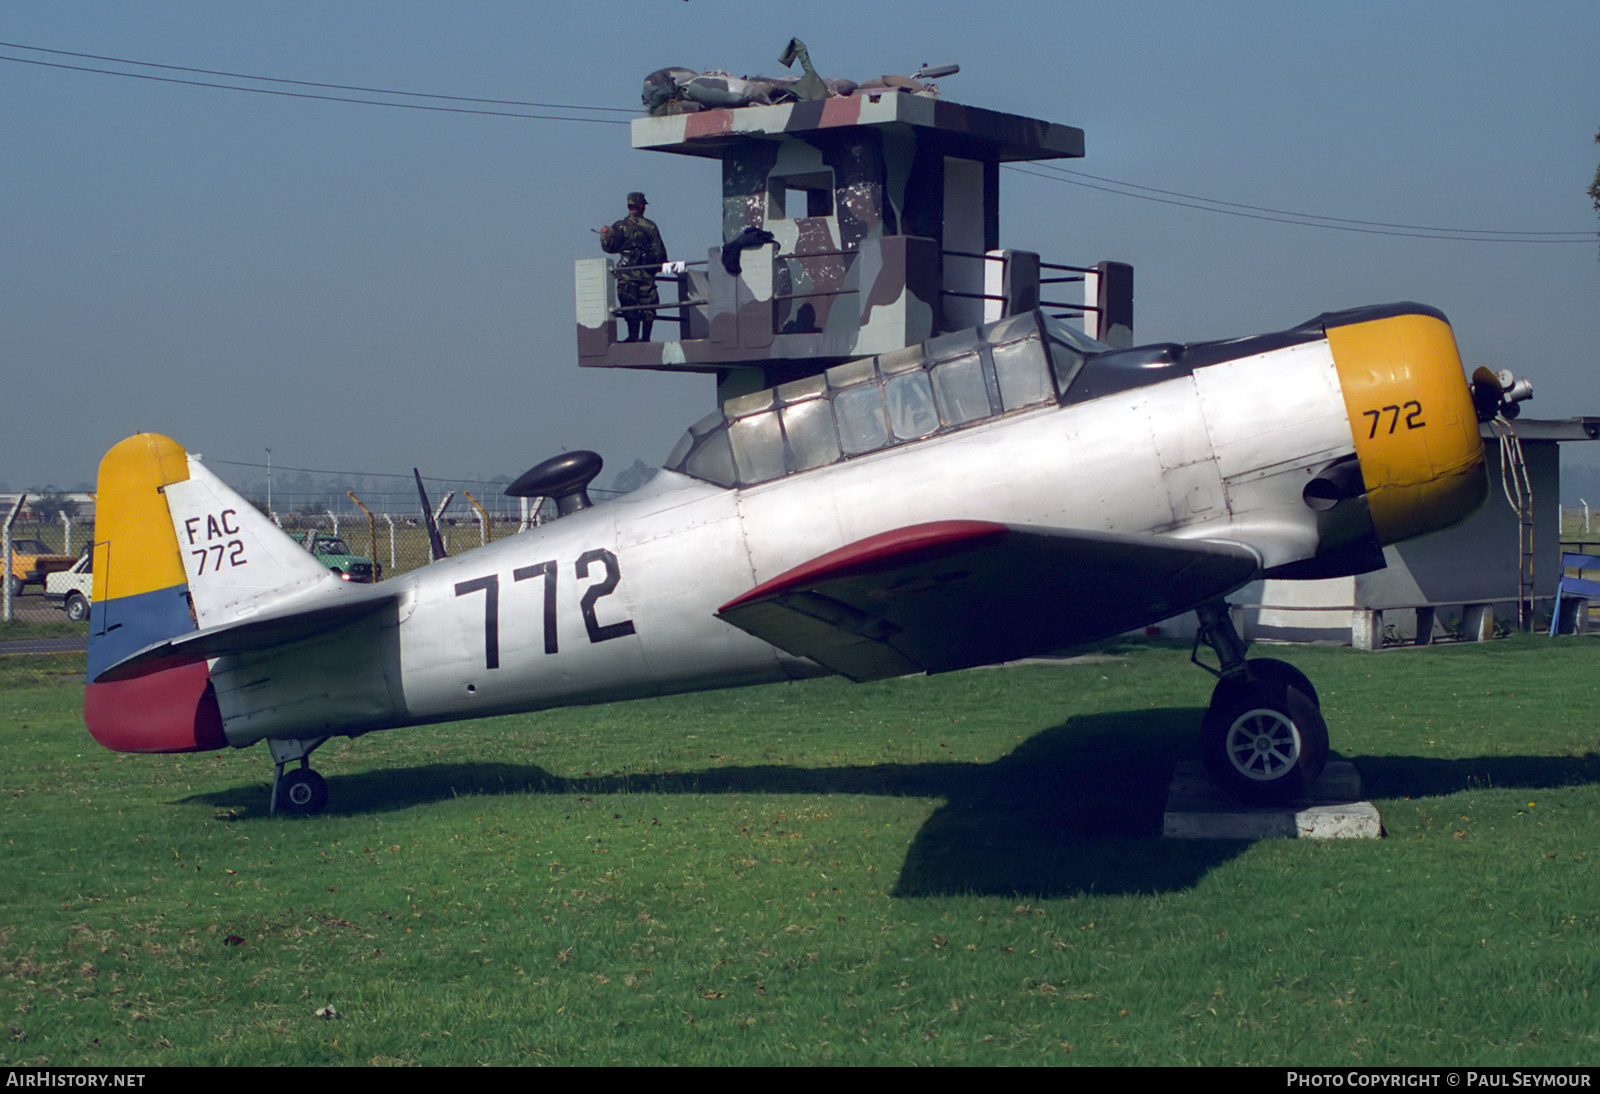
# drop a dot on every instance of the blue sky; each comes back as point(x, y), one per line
point(368, 289)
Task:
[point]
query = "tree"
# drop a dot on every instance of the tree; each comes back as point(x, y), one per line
point(50, 505)
point(1594, 187)
point(631, 478)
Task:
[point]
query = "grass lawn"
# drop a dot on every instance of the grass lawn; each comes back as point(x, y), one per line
point(956, 869)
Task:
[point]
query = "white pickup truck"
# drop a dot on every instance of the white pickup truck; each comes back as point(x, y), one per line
point(70, 589)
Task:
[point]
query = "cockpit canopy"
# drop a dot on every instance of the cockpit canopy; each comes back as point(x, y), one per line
point(951, 382)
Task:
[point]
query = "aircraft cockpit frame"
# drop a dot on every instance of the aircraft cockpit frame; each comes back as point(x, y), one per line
point(949, 383)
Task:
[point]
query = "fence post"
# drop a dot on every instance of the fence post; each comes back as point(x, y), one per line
point(438, 516)
point(372, 531)
point(483, 519)
point(5, 555)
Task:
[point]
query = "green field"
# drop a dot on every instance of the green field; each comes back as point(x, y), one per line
point(958, 869)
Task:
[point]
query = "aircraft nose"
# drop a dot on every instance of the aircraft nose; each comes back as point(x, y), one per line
point(1411, 416)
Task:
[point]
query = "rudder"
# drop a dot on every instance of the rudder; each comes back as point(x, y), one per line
point(141, 596)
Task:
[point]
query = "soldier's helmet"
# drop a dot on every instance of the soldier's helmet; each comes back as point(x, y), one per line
point(636, 198)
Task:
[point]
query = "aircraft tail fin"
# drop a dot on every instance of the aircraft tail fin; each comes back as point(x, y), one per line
point(238, 563)
point(141, 595)
point(175, 550)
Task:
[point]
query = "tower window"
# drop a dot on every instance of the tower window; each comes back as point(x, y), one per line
point(792, 196)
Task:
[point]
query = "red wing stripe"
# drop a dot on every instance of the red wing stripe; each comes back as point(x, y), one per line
point(884, 551)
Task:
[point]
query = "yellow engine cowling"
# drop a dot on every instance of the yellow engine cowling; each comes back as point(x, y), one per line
point(1412, 418)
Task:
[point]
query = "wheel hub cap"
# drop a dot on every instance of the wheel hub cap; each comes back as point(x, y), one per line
point(1263, 744)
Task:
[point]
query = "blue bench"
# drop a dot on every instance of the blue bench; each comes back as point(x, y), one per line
point(1577, 588)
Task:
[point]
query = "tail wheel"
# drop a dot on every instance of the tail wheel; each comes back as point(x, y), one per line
point(302, 791)
point(1263, 741)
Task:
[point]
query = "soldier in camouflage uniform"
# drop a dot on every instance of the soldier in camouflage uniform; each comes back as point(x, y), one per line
point(638, 242)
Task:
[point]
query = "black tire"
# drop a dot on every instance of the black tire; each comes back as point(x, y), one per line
point(1271, 669)
point(1266, 670)
point(302, 792)
point(77, 607)
point(1263, 741)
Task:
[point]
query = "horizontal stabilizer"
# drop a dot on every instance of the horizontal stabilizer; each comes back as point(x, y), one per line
point(338, 605)
point(953, 594)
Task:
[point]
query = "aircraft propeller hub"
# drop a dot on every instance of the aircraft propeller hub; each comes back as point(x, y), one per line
point(1499, 394)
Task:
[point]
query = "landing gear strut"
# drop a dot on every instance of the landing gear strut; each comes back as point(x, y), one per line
point(1262, 739)
point(300, 791)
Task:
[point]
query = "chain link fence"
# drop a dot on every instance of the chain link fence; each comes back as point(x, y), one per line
point(39, 646)
point(395, 543)
point(343, 518)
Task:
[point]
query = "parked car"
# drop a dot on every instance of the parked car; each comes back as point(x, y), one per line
point(72, 589)
point(333, 552)
point(32, 562)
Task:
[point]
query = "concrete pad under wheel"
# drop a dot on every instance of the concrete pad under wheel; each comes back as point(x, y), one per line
point(1331, 810)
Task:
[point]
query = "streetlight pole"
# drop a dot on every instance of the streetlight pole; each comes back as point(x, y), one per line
point(269, 482)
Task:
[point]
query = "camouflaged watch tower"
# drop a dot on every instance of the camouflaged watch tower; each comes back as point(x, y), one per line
point(884, 212)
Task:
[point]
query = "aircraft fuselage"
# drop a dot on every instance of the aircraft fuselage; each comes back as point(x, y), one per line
point(620, 600)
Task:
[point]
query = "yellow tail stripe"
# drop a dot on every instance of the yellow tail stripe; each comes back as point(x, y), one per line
point(135, 548)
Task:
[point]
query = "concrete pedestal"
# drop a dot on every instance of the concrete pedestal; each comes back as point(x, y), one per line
point(1198, 810)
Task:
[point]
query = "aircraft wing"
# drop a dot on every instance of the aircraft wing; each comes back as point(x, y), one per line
point(287, 623)
point(953, 594)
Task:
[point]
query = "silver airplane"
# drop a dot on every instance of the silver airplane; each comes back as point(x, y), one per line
point(1005, 491)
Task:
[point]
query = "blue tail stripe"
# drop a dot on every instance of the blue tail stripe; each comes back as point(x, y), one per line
point(127, 624)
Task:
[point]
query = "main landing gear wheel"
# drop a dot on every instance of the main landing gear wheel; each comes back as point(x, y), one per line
point(1263, 740)
point(302, 791)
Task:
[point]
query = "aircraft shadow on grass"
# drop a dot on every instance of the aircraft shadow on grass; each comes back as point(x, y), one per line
point(1076, 808)
point(1413, 777)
